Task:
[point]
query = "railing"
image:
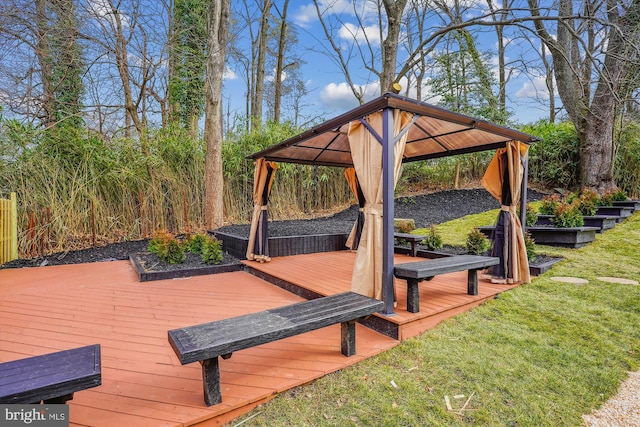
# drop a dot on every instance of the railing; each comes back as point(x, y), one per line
point(8, 229)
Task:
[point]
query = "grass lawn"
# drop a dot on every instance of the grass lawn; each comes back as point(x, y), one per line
point(542, 354)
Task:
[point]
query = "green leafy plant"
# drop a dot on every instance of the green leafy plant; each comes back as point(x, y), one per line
point(531, 215)
point(606, 199)
point(530, 245)
point(549, 204)
point(568, 215)
point(619, 195)
point(212, 250)
point(194, 243)
point(477, 243)
point(433, 240)
point(167, 248)
point(588, 202)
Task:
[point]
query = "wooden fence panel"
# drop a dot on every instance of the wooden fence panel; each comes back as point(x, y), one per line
point(8, 229)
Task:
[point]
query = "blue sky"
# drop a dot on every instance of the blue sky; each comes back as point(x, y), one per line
point(329, 93)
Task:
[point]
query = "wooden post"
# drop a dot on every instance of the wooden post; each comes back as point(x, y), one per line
point(14, 227)
point(93, 224)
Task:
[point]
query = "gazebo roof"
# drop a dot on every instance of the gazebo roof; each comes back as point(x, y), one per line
point(436, 133)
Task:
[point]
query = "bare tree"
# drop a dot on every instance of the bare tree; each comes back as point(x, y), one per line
point(595, 57)
point(217, 37)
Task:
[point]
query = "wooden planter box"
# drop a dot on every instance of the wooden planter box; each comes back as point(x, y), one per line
point(602, 222)
point(284, 246)
point(620, 211)
point(555, 236)
point(635, 204)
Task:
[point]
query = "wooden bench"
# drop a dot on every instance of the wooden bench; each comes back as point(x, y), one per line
point(204, 343)
point(415, 272)
point(51, 378)
point(413, 239)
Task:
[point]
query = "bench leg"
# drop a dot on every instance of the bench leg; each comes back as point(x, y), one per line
point(413, 296)
point(472, 282)
point(414, 249)
point(211, 381)
point(58, 400)
point(348, 338)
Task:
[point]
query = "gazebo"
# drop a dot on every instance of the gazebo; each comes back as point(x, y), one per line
point(375, 139)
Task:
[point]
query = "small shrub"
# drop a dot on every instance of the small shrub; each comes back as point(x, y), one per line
point(167, 248)
point(619, 195)
point(531, 215)
point(606, 199)
point(433, 240)
point(211, 250)
point(530, 245)
point(477, 243)
point(568, 215)
point(549, 204)
point(588, 202)
point(194, 243)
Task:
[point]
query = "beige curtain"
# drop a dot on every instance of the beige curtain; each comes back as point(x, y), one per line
point(353, 241)
point(258, 248)
point(366, 152)
point(503, 179)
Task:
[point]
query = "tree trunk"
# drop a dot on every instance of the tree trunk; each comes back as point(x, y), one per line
point(394, 11)
point(281, 50)
point(217, 35)
point(44, 59)
point(256, 108)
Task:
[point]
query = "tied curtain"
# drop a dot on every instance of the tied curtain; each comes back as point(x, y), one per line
point(503, 179)
point(258, 247)
point(366, 152)
point(353, 241)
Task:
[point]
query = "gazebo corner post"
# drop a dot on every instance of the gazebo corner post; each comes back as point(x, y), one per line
point(523, 192)
point(388, 186)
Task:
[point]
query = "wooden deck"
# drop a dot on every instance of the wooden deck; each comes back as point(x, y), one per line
point(143, 384)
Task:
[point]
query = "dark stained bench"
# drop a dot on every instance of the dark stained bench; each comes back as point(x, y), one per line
point(51, 378)
point(413, 239)
point(415, 272)
point(204, 343)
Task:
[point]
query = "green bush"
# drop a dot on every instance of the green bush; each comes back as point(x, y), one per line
point(477, 243)
point(549, 204)
point(627, 162)
point(554, 161)
point(619, 195)
point(587, 201)
point(568, 215)
point(167, 248)
point(212, 250)
point(531, 215)
point(433, 240)
point(194, 243)
point(530, 245)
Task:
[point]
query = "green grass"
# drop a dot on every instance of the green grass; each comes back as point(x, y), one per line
point(542, 354)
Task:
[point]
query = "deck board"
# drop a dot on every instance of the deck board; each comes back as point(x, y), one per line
point(143, 384)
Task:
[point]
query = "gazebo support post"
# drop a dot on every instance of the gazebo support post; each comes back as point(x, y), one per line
point(388, 185)
point(523, 192)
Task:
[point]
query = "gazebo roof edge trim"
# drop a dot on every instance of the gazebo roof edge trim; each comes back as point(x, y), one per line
point(390, 100)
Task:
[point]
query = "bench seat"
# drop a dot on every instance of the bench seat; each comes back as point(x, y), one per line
point(50, 378)
point(205, 342)
point(415, 272)
point(413, 239)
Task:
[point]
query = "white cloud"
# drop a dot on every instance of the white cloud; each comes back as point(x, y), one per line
point(229, 74)
point(370, 33)
point(339, 97)
point(535, 88)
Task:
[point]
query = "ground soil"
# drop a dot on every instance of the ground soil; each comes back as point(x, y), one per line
point(425, 209)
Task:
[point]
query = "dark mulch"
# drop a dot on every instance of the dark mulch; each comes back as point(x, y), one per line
point(425, 209)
